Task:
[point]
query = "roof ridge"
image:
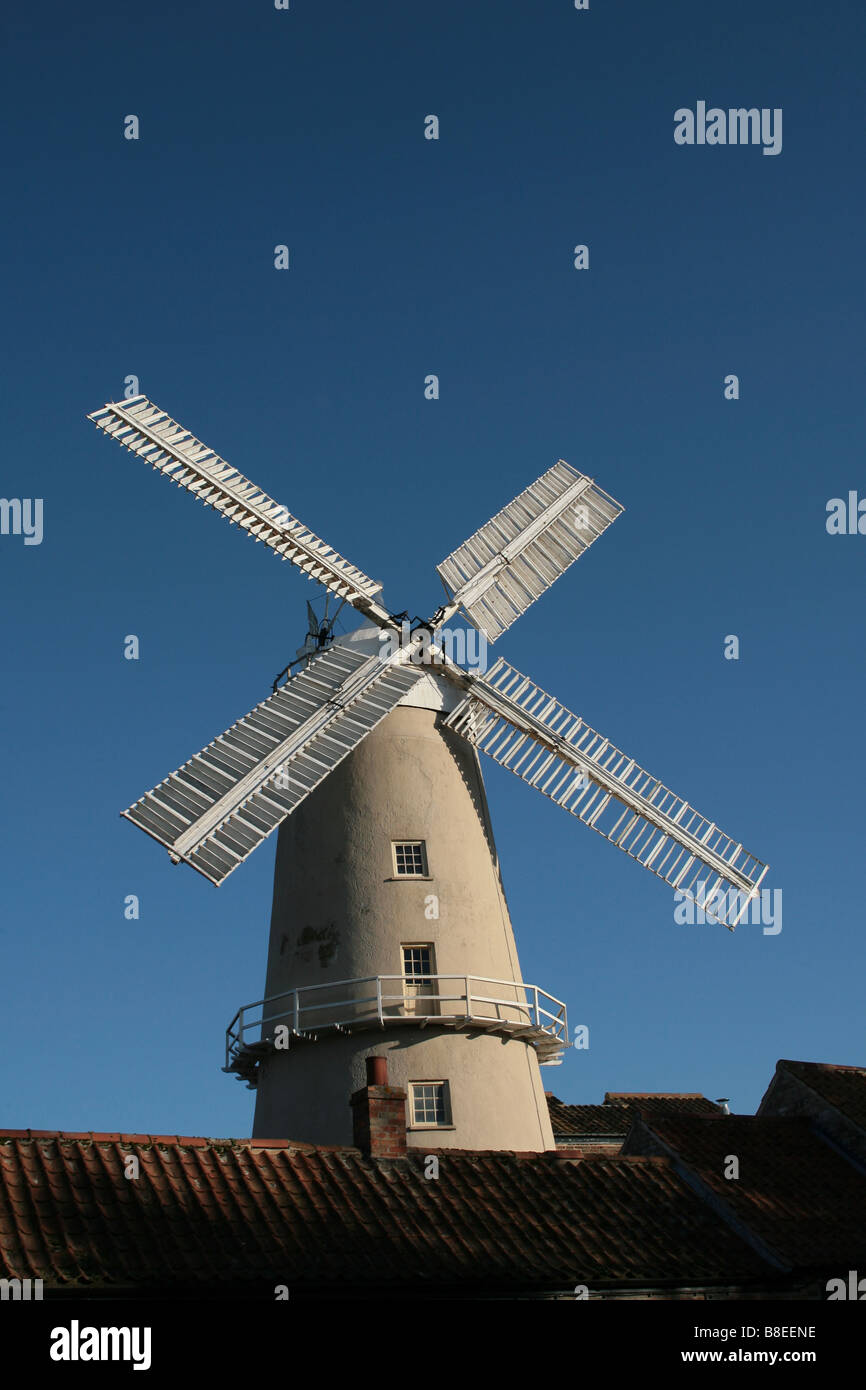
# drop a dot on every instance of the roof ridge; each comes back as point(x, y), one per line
point(177, 1140)
point(821, 1066)
point(660, 1095)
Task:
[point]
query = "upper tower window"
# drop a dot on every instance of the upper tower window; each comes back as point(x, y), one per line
point(410, 858)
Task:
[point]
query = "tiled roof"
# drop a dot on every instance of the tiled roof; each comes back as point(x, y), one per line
point(665, 1102)
point(615, 1116)
point(842, 1087)
point(794, 1192)
point(588, 1119)
point(210, 1213)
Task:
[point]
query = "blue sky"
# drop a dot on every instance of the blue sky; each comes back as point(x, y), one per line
point(408, 257)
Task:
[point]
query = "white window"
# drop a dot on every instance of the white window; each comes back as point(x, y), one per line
point(418, 963)
point(410, 858)
point(419, 988)
point(430, 1105)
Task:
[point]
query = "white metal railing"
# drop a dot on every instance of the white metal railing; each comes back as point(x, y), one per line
point(341, 1004)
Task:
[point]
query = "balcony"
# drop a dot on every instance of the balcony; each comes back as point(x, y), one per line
point(465, 1003)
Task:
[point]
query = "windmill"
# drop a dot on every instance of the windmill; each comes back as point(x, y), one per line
point(389, 930)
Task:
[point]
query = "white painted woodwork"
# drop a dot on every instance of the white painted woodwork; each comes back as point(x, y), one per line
point(516, 556)
point(521, 727)
point(154, 436)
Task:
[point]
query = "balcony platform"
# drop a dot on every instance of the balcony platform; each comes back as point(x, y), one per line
point(461, 1003)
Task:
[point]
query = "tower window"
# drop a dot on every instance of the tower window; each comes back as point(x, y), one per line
point(410, 858)
point(419, 987)
point(430, 1103)
point(417, 963)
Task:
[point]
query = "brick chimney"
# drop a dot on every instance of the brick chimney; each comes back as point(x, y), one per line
point(379, 1114)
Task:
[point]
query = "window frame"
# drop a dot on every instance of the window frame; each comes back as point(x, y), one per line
point(404, 844)
point(447, 1122)
point(427, 946)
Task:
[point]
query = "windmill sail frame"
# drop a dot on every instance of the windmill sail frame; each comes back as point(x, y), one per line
point(218, 807)
point(154, 436)
point(506, 715)
point(517, 555)
point(221, 804)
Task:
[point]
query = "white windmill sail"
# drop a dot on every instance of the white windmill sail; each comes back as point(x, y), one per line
point(147, 431)
point(220, 805)
point(521, 727)
point(496, 574)
point(216, 809)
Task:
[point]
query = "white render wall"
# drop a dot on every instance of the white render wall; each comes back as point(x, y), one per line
point(339, 913)
point(497, 1097)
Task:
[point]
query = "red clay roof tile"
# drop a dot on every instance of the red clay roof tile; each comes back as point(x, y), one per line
point(842, 1087)
point(228, 1212)
point(794, 1192)
point(615, 1116)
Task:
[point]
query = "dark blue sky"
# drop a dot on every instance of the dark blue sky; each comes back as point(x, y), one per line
point(411, 257)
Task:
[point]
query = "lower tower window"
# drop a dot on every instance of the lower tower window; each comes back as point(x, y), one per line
point(430, 1104)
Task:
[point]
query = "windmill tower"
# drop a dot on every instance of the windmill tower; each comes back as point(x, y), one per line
point(390, 933)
